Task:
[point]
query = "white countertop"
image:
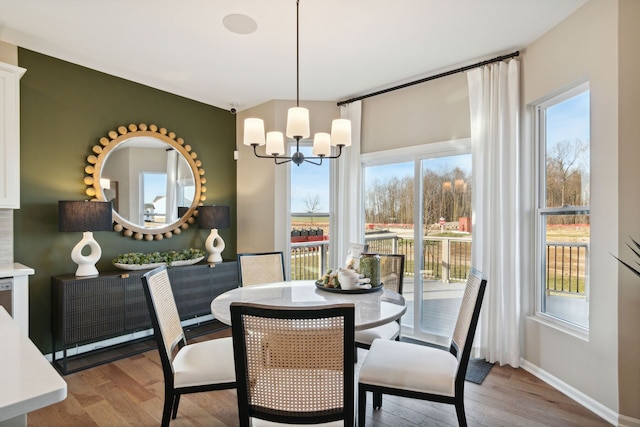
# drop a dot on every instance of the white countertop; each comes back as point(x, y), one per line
point(28, 381)
point(15, 269)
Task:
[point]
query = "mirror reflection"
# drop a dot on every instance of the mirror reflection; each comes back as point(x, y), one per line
point(147, 180)
point(153, 178)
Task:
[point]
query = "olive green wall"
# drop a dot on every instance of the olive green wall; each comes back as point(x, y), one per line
point(65, 109)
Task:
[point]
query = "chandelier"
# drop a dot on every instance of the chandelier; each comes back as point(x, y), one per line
point(297, 128)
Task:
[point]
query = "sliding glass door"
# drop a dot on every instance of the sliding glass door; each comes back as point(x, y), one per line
point(421, 207)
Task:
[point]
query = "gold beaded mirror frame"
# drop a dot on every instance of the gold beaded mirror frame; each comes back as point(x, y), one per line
point(116, 169)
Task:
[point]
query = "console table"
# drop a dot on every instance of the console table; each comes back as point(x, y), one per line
point(90, 309)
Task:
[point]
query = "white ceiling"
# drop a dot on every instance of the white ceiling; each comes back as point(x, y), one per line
point(347, 47)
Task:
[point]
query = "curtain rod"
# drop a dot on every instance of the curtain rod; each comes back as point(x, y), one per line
point(426, 79)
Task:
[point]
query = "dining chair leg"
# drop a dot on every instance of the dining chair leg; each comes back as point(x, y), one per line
point(362, 405)
point(166, 410)
point(176, 402)
point(377, 400)
point(462, 419)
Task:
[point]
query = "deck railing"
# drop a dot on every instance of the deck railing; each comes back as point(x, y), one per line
point(566, 268)
point(309, 260)
point(447, 259)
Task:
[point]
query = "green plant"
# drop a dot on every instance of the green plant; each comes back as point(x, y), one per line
point(158, 257)
point(635, 251)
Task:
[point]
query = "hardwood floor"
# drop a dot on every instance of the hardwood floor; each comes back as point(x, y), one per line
point(129, 392)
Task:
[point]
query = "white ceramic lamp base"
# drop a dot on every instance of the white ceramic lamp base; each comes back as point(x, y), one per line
point(86, 263)
point(215, 251)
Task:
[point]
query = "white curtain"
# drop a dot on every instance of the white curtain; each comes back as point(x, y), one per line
point(347, 223)
point(495, 147)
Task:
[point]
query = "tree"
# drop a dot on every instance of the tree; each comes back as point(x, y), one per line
point(312, 204)
point(566, 174)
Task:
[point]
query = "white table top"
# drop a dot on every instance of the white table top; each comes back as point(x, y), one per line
point(371, 309)
point(27, 380)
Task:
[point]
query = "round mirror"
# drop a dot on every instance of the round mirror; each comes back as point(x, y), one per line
point(153, 179)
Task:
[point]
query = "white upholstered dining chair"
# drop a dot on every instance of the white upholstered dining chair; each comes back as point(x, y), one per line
point(294, 365)
point(423, 372)
point(259, 268)
point(187, 368)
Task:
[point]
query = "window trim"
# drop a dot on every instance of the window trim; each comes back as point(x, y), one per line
point(540, 143)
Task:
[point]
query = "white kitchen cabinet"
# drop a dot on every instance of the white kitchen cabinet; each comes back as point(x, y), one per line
point(10, 135)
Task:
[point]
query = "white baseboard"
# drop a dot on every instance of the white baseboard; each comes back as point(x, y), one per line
point(591, 404)
point(79, 349)
point(626, 421)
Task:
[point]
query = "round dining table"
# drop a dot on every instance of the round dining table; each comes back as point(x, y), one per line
point(372, 308)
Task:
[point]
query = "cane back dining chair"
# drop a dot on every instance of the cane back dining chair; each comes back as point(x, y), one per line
point(422, 372)
point(187, 368)
point(259, 268)
point(294, 365)
point(392, 277)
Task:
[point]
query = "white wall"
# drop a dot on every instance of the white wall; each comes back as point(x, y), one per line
point(629, 206)
point(428, 112)
point(585, 45)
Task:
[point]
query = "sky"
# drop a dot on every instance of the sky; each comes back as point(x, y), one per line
point(569, 120)
point(309, 180)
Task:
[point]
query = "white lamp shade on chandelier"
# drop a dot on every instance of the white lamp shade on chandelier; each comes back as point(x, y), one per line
point(341, 133)
point(321, 144)
point(298, 123)
point(254, 132)
point(275, 144)
point(297, 128)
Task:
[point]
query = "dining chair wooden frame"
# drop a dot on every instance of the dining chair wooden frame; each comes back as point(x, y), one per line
point(423, 372)
point(187, 368)
point(261, 267)
point(390, 330)
point(294, 365)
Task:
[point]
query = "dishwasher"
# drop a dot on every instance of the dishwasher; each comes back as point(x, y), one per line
point(6, 294)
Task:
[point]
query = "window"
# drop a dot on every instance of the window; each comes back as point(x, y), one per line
point(309, 203)
point(423, 194)
point(563, 218)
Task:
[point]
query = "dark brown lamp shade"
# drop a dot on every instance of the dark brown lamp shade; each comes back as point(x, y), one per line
point(83, 216)
point(213, 217)
point(182, 210)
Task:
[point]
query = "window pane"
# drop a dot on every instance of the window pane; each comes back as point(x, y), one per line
point(154, 191)
point(564, 207)
point(309, 218)
point(446, 243)
point(437, 265)
point(566, 269)
point(567, 153)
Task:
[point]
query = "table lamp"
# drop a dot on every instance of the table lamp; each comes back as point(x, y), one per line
point(214, 217)
point(87, 217)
